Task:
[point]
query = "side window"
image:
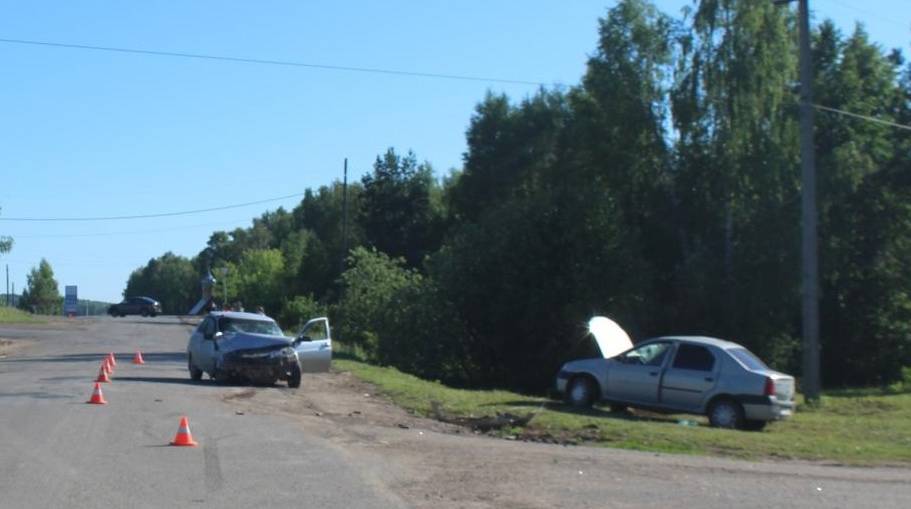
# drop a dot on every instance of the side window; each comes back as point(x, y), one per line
point(652, 354)
point(697, 358)
point(317, 331)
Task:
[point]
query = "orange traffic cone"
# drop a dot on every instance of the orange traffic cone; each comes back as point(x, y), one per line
point(183, 437)
point(106, 366)
point(113, 360)
point(102, 375)
point(137, 359)
point(97, 398)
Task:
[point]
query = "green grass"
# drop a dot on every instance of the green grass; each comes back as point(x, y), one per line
point(871, 428)
point(13, 315)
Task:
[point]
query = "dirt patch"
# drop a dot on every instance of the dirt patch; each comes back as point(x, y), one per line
point(428, 463)
point(244, 394)
point(8, 347)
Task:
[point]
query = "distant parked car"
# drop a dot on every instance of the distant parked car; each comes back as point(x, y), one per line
point(251, 347)
point(144, 306)
point(687, 374)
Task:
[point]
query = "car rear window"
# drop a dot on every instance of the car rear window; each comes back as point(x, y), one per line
point(747, 358)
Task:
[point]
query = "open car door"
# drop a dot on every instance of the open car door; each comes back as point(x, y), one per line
point(314, 346)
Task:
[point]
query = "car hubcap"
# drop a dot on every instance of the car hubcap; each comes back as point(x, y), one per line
point(725, 416)
point(579, 392)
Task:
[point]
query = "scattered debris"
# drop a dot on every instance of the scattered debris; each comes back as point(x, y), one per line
point(239, 412)
point(404, 426)
point(484, 423)
point(158, 400)
point(318, 414)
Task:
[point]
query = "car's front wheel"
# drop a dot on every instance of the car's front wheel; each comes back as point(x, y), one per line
point(581, 392)
point(726, 413)
point(294, 381)
point(195, 373)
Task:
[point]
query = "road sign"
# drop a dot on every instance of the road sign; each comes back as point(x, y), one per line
point(70, 301)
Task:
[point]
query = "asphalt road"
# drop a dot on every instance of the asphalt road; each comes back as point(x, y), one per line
point(57, 451)
point(269, 447)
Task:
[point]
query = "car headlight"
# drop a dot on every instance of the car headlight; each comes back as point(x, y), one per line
point(284, 352)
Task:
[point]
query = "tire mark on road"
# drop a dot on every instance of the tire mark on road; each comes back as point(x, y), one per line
point(214, 478)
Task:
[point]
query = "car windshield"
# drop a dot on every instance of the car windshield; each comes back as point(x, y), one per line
point(747, 358)
point(226, 324)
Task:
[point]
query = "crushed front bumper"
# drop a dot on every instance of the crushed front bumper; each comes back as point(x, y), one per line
point(259, 367)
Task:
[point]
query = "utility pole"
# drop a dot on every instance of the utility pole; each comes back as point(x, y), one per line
point(345, 215)
point(808, 213)
point(8, 298)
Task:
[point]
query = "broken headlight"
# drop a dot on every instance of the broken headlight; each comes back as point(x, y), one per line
point(284, 352)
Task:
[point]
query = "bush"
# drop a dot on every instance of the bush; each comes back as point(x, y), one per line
point(397, 317)
point(297, 311)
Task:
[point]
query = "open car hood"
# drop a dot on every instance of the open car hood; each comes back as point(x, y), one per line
point(612, 340)
point(234, 341)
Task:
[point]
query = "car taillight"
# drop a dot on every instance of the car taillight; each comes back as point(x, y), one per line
point(769, 386)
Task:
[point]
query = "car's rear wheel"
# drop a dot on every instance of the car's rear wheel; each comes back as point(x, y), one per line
point(294, 381)
point(195, 373)
point(581, 392)
point(726, 413)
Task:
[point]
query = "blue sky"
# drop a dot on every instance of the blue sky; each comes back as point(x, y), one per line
point(87, 133)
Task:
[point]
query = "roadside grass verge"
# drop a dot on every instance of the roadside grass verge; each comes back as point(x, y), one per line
point(872, 427)
point(13, 315)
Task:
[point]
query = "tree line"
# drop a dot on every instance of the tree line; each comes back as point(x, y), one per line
point(663, 190)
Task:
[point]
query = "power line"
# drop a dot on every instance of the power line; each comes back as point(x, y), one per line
point(285, 63)
point(224, 224)
point(147, 216)
point(862, 117)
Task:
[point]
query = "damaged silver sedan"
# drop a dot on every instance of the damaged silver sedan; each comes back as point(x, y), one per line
point(248, 347)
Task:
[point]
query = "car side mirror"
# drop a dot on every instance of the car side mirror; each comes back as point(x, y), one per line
point(302, 338)
point(212, 336)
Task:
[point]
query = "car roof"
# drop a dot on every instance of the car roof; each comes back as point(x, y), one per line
point(242, 315)
point(704, 340)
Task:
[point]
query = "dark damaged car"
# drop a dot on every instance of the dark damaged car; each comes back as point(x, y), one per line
point(252, 348)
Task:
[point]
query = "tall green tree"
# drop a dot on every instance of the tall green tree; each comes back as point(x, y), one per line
point(170, 279)
point(397, 213)
point(736, 183)
point(41, 294)
point(259, 279)
point(865, 222)
point(6, 243)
